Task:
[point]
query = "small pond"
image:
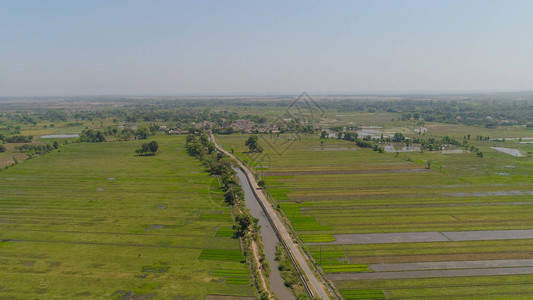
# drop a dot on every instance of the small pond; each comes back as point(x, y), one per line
point(60, 136)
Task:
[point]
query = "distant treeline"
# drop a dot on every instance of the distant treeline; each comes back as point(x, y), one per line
point(110, 133)
point(489, 111)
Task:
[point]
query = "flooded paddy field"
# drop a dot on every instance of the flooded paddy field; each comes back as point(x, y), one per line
point(434, 273)
point(472, 264)
point(510, 151)
point(417, 237)
point(60, 136)
point(357, 208)
point(141, 236)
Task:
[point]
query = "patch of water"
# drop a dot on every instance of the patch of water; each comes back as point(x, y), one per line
point(512, 139)
point(510, 151)
point(502, 173)
point(60, 136)
point(111, 178)
point(392, 148)
point(375, 134)
point(370, 127)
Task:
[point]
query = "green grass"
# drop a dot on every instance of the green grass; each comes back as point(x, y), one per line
point(237, 280)
point(221, 254)
point(77, 233)
point(215, 217)
point(330, 254)
point(307, 223)
point(230, 273)
point(363, 294)
point(317, 238)
point(225, 232)
point(345, 268)
point(232, 276)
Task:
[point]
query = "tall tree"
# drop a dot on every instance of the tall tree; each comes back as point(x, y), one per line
point(253, 144)
point(153, 146)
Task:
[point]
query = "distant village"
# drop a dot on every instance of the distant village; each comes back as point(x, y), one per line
point(238, 126)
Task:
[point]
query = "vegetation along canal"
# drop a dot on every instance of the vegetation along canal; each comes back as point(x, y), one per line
point(270, 239)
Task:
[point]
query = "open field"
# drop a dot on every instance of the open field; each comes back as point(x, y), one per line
point(95, 221)
point(331, 195)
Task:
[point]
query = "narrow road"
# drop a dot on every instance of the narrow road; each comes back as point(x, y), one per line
point(313, 281)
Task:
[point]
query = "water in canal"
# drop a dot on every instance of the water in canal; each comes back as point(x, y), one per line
point(270, 239)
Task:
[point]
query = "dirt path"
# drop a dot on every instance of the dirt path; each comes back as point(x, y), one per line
point(257, 259)
point(255, 251)
point(314, 282)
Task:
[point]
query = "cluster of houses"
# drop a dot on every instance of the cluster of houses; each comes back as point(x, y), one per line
point(241, 125)
point(248, 126)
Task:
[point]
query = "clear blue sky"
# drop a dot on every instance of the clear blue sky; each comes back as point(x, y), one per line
point(56, 48)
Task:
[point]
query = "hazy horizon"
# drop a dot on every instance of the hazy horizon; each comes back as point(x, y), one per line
point(233, 48)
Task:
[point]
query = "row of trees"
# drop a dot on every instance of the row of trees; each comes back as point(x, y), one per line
point(111, 133)
point(221, 165)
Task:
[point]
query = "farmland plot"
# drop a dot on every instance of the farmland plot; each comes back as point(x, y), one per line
point(96, 221)
point(358, 209)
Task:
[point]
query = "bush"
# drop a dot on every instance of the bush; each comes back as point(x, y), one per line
point(148, 148)
point(19, 139)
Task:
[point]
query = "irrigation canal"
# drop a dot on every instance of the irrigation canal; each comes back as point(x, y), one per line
point(270, 239)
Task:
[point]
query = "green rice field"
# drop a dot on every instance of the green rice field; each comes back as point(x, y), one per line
point(93, 220)
point(336, 188)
